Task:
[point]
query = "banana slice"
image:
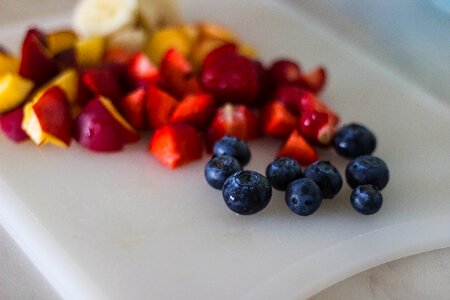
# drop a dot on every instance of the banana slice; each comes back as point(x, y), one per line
point(156, 13)
point(130, 38)
point(103, 17)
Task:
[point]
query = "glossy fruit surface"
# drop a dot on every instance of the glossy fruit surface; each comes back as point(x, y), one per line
point(367, 169)
point(354, 140)
point(326, 176)
point(303, 197)
point(282, 171)
point(233, 147)
point(366, 199)
point(219, 168)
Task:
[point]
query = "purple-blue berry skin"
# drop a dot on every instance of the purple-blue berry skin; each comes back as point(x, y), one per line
point(283, 171)
point(234, 147)
point(326, 176)
point(367, 169)
point(246, 192)
point(354, 140)
point(219, 168)
point(366, 199)
point(303, 196)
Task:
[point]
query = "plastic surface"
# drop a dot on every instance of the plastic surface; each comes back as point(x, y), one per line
point(115, 226)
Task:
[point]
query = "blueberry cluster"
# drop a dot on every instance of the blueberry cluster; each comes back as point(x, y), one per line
point(248, 192)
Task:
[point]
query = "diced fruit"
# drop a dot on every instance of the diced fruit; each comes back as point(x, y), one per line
point(326, 176)
point(201, 49)
point(277, 120)
point(160, 106)
point(354, 140)
point(246, 192)
point(133, 108)
point(310, 102)
point(60, 41)
point(141, 71)
point(314, 80)
point(47, 118)
point(99, 127)
point(234, 120)
point(230, 78)
point(37, 63)
point(177, 74)
point(315, 127)
point(219, 168)
point(209, 30)
point(220, 53)
point(117, 55)
point(284, 72)
point(282, 171)
point(13, 91)
point(298, 148)
point(11, 125)
point(130, 38)
point(290, 95)
point(303, 197)
point(367, 169)
point(366, 199)
point(196, 110)
point(247, 50)
point(232, 146)
point(67, 81)
point(176, 144)
point(102, 81)
point(165, 39)
point(8, 64)
point(90, 51)
point(67, 58)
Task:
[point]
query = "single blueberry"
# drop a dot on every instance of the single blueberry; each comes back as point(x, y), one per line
point(283, 171)
point(219, 168)
point(326, 177)
point(246, 192)
point(366, 199)
point(367, 169)
point(234, 147)
point(303, 196)
point(354, 140)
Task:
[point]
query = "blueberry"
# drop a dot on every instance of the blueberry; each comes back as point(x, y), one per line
point(283, 171)
point(354, 140)
point(366, 199)
point(246, 192)
point(326, 177)
point(367, 169)
point(234, 147)
point(219, 168)
point(303, 196)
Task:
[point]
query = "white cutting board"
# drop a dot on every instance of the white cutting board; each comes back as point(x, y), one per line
point(121, 226)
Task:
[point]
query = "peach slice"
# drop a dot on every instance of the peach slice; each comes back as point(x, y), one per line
point(13, 91)
point(67, 81)
point(165, 39)
point(60, 41)
point(8, 64)
point(90, 51)
point(47, 119)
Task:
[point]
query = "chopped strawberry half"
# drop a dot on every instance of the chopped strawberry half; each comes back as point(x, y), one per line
point(177, 73)
point(160, 106)
point(133, 108)
point(176, 144)
point(314, 80)
point(11, 125)
point(278, 121)
point(117, 56)
point(103, 81)
point(141, 71)
point(310, 102)
point(315, 127)
point(196, 110)
point(290, 96)
point(284, 71)
point(235, 120)
point(298, 148)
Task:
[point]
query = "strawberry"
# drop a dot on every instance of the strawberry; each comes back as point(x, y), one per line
point(177, 74)
point(298, 148)
point(219, 53)
point(233, 119)
point(283, 72)
point(140, 71)
point(290, 96)
point(103, 80)
point(310, 102)
point(277, 120)
point(160, 106)
point(314, 80)
point(196, 110)
point(133, 108)
point(117, 56)
point(176, 144)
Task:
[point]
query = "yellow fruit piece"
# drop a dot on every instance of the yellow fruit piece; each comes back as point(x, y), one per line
point(113, 111)
point(201, 49)
point(59, 41)
point(67, 81)
point(90, 51)
point(8, 64)
point(13, 91)
point(163, 40)
point(216, 31)
point(246, 50)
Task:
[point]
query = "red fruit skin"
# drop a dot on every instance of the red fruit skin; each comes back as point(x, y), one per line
point(177, 74)
point(117, 56)
point(235, 120)
point(314, 80)
point(290, 95)
point(196, 110)
point(36, 63)
point(283, 72)
point(103, 81)
point(219, 53)
point(277, 120)
point(53, 112)
point(175, 145)
point(159, 106)
point(310, 102)
point(299, 149)
point(265, 89)
point(67, 59)
point(11, 125)
point(141, 71)
point(133, 108)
